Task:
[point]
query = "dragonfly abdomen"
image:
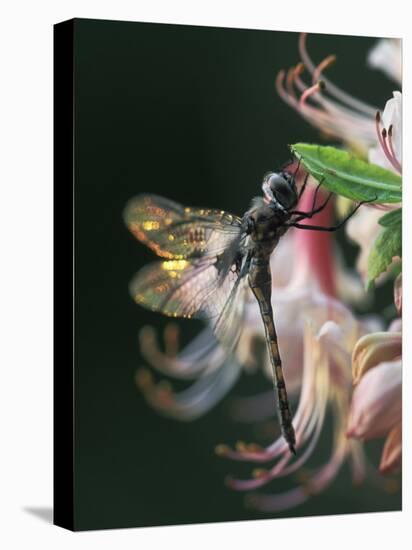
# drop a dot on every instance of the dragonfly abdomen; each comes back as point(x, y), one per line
point(260, 282)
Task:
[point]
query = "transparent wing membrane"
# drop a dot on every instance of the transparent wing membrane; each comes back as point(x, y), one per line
point(173, 231)
point(181, 288)
point(201, 275)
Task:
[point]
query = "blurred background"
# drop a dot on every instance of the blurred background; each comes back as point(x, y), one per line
point(190, 113)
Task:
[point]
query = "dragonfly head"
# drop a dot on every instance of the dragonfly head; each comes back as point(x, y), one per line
point(279, 190)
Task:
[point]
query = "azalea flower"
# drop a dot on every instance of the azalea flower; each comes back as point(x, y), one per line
point(376, 408)
point(326, 106)
point(208, 369)
point(363, 228)
point(335, 112)
point(325, 382)
point(357, 124)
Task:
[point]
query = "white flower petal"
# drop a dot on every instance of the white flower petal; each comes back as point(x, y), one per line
point(363, 228)
point(391, 116)
point(387, 56)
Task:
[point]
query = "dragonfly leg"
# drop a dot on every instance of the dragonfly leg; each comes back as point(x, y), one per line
point(334, 227)
point(304, 215)
point(315, 195)
point(302, 189)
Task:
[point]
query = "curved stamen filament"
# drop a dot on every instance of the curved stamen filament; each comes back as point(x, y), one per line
point(387, 149)
point(390, 144)
point(330, 116)
point(283, 93)
point(334, 110)
point(325, 117)
point(325, 64)
point(289, 82)
point(284, 467)
point(333, 90)
point(316, 483)
point(315, 89)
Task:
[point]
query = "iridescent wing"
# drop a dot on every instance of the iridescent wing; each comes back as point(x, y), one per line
point(176, 232)
point(194, 289)
point(204, 276)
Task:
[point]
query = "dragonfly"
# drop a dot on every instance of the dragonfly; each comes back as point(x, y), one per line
point(211, 259)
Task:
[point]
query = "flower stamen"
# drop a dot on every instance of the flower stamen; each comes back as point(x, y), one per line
point(289, 82)
point(315, 89)
point(385, 140)
point(349, 100)
point(325, 64)
point(287, 97)
point(390, 144)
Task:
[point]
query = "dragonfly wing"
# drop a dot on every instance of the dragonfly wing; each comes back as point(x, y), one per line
point(197, 288)
point(228, 324)
point(177, 288)
point(175, 232)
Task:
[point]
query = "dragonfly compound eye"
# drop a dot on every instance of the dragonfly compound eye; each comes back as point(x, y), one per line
point(283, 190)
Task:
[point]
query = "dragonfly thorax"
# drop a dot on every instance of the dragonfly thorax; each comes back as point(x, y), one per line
point(266, 225)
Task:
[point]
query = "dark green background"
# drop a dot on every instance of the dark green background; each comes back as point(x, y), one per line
point(190, 113)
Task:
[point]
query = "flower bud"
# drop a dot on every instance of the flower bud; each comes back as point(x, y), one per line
point(372, 349)
point(377, 402)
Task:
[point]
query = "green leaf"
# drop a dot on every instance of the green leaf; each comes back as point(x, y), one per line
point(386, 247)
point(344, 174)
point(391, 218)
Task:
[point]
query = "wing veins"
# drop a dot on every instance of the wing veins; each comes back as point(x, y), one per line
point(189, 276)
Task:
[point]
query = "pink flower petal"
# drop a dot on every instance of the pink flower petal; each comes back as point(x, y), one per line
point(398, 293)
point(392, 451)
point(377, 402)
point(372, 349)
